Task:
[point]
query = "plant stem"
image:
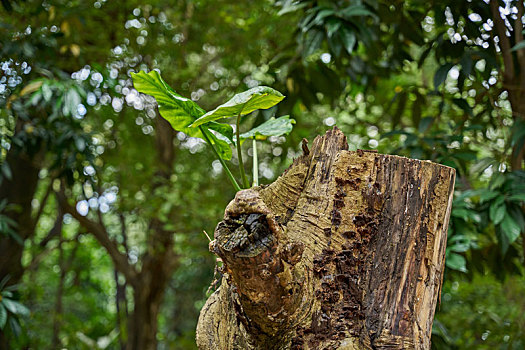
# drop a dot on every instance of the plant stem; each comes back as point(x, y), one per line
point(255, 163)
point(239, 154)
point(223, 163)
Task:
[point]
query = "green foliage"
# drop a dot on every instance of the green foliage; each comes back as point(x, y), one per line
point(453, 115)
point(87, 300)
point(10, 308)
point(48, 114)
point(8, 225)
point(110, 152)
point(504, 201)
point(480, 314)
point(186, 116)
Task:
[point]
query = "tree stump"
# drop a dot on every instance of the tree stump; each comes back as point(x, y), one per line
point(345, 250)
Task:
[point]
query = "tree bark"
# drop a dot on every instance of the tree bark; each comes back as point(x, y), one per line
point(513, 74)
point(19, 191)
point(159, 262)
point(65, 267)
point(344, 251)
point(143, 323)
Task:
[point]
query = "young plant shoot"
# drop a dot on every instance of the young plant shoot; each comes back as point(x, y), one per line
point(186, 116)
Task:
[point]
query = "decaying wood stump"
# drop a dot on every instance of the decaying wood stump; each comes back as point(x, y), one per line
point(344, 251)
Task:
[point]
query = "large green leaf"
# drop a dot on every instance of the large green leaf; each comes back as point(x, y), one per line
point(332, 26)
point(496, 181)
point(466, 214)
point(179, 111)
point(460, 247)
point(349, 39)
point(222, 146)
point(520, 197)
point(15, 326)
point(456, 262)
point(261, 97)
point(497, 211)
point(3, 316)
point(312, 41)
point(322, 14)
point(441, 74)
point(510, 228)
point(223, 129)
point(487, 195)
point(15, 307)
point(357, 11)
point(272, 127)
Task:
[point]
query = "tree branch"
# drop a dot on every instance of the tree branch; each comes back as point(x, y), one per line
point(123, 231)
point(55, 230)
point(504, 42)
point(101, 235)
point(65, 265)
point(42, 204)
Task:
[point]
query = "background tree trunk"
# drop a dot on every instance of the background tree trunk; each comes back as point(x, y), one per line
point(344, 251)
point(19, 190)
point(158, 262)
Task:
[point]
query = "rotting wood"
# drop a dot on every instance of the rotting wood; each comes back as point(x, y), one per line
point(344, 251)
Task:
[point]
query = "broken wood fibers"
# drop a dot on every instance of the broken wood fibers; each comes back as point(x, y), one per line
point(344, 251)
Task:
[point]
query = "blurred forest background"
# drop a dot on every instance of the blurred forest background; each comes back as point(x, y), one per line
point(103, 206)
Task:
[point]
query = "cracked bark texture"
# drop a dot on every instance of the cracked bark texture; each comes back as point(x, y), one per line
point(344, 251)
